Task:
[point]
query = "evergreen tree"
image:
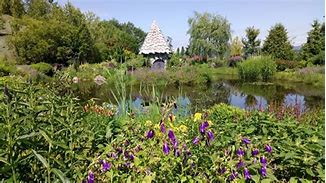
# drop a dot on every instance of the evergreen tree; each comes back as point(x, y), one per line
point(277, 44)
point(315, 41)
point(182, 51)
point(178, 51)
point(251, 43)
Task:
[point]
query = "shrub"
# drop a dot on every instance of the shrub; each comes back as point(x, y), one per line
point(6, 69)
point(44, 68)
point(256, 68)
point(234, 60)
point(318, 59)
point(282, 65)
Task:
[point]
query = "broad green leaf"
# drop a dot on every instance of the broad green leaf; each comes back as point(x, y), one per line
point(293, 180)
point(42, 159)
point(62, 177)
point(256, 178)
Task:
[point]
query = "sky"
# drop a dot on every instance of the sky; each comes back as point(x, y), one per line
point(172, 15)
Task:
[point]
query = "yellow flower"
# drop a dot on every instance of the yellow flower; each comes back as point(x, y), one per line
point(210, 122)
point(157, 126)
point(197, 116)
point(148, 123)
point(183, 128)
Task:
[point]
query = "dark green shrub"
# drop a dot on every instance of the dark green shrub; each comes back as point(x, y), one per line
point(256, 68)
point(281, 65)
point(44, 68)
point(318, 59)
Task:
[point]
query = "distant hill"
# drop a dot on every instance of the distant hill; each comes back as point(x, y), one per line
point(297, 48)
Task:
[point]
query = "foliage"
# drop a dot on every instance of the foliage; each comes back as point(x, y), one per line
point(233, 61)
point(315, 44)
point(43, 68)
point(310, 75)
point(282, 65)
point(46, 136)
point(209, 35)
point(250, 44)
point(318, 59)
point(236, 47)
point(254, 68)
point(62, 38)
point(12, 7)
point(277, 44)
point(175, 61)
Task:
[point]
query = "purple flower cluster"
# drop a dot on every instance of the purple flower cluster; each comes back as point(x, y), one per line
point(242, 164)
point(203, 130)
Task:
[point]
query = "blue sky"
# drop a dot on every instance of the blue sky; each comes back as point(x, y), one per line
point(172, 15)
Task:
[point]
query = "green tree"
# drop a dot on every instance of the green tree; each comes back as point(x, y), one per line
point(277, 44)
point(12, 7)
point(183, 52)
point(236, 47)
point(315, 41)
point(178, 51)
point(251, 43)
point(209, 35)
point(38, 8)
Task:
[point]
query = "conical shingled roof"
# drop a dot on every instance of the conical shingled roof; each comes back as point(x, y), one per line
point(155, 42)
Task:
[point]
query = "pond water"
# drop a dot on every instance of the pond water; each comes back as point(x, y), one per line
point(244, 95)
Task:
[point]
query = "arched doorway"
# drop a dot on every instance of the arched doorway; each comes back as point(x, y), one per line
point(158, 64)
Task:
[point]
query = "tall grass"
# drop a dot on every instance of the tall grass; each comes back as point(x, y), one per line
point(256, 68)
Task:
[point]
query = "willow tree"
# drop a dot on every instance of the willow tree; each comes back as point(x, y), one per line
point(209, 35)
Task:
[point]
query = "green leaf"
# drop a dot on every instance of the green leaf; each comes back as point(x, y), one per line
point(310, 172)
point(256, 178)
point(47, 138)
point(266, 181)
point(62, 177)
point(27, 136)
point(42, 159)
point(293, 180)
point(250, 129)
point(4, 161)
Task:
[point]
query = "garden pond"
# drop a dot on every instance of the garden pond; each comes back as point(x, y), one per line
point(234, 92)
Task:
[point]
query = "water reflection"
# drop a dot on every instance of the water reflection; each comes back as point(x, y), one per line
point(236, 93)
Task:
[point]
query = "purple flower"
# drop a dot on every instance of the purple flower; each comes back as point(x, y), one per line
point(210, 135)
point(90, 178)
point(114, 155)
point(263, 171)
point(150, 134)
point(131, 157)
point(246, 174)
point(240, 152)
point(222, 170)
point(268, 148)
point(176, 153)
point(240, 164)
point(255, 160)
point(263, 161)
point(233, 176)
point(246, 141)
point(255, 152)
point(196, 140)
point(162, 126)
point(119, 150)
point(166, 148)
point(203, 126)
point(106, 166)
point(171, 135)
